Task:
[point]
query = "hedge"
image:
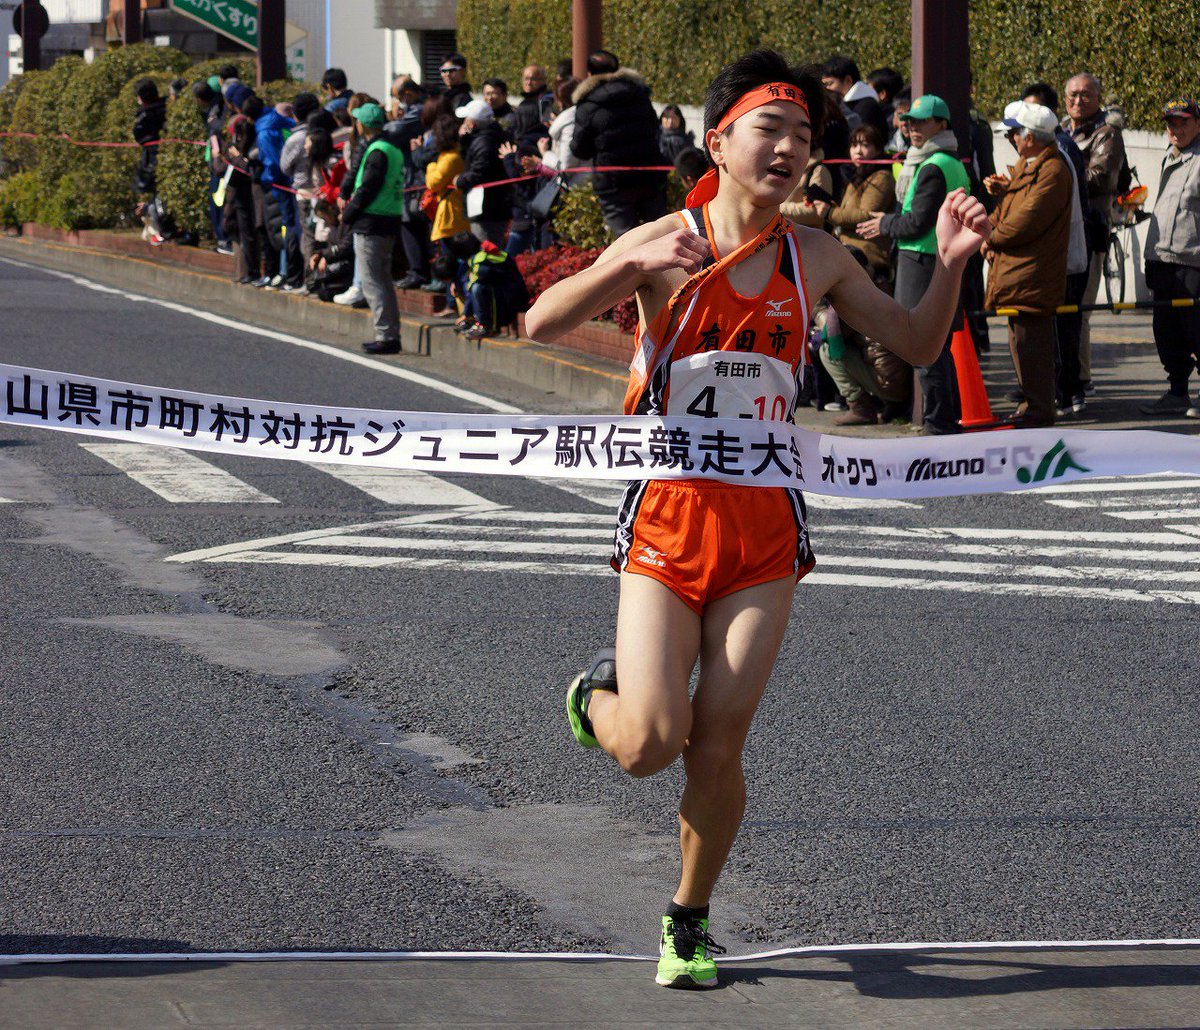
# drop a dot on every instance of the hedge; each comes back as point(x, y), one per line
point(51, 181)
point(1143, 51)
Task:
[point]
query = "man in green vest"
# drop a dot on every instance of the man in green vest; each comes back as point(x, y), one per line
point(373, 208)
point(932, 169)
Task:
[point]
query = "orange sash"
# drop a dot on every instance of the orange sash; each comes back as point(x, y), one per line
point(659, 335)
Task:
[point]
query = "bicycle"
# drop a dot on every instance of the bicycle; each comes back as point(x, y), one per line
point(1127, 213)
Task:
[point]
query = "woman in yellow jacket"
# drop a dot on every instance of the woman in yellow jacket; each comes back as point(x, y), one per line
point(451, 216)
point(873, 188)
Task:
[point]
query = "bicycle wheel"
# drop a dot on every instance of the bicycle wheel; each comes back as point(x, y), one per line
point(1114, 271)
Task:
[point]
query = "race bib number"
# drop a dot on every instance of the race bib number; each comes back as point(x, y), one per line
point(731, 384)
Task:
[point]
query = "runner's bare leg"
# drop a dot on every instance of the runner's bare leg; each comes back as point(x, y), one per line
point(645, 726)
point(741, 637)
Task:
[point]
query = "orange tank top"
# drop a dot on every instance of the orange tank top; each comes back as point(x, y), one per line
point(732, 356)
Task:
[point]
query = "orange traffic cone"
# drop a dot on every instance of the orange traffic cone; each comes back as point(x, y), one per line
point(972, 394)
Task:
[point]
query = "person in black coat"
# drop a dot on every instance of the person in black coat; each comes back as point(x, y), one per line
point(535, 108)
point(147, 130)
point(482, 138)
point(454, 80)
point(615, 124)
point(673, 135)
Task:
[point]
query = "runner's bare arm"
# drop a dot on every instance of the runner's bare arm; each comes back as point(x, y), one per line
point(634, 262)
point(916, 336)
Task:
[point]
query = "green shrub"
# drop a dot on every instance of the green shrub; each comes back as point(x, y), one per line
point(1134, 46)
point(182, 171)
point(286, 90)
point(19, 195)
point(9, 95)
point(37, 111)
point(577, 219)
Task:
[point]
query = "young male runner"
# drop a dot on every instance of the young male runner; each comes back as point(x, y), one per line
point(708, 570)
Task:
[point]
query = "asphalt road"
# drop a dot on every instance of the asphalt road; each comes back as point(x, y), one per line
point(982, 725)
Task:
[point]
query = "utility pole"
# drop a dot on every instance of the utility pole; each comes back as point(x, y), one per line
point(131, 22)
point(272, 61)
point(941, 60)
point(586, 33)
point(31, 38)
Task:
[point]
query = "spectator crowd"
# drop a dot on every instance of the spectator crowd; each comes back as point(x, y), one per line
point(313, 195)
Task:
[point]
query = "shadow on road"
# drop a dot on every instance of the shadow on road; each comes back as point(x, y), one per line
point(911, 975)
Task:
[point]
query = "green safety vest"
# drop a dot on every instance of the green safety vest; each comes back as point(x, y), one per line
point(956, 178)
point(390, 198)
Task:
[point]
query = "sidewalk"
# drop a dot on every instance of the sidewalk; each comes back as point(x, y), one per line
point(1042, 987)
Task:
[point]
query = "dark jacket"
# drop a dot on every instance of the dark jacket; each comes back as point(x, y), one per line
point(374, 174)
point(459, 95)
point(1030, 232)
point(673, 142)
point(615, 124)
point(481, 152)
point(529, 126)
point(147, 127)
point(214, 121)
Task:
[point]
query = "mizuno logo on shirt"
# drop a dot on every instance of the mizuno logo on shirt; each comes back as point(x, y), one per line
point(775, 306)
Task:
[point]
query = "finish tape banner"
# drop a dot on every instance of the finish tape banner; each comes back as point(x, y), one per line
point(745, 451)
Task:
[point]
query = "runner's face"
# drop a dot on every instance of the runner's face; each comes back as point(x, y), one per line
point(765, 150)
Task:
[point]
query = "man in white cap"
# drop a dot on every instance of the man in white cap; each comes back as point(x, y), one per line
point(482, 138)
point(1028, 253)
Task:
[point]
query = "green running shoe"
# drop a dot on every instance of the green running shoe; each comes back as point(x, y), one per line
point(685, 954)
point(600, 675)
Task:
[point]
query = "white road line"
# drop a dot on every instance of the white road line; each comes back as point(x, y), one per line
point(518, 531)
point(824, 502)
point(408, 562)
point(412, 543)
point(1098, 553)
point(1157, 514)
point(422, 519)
point(322, 348)
point(1025, 590)
point(604, 492)
point(987, 533)
point(177, 476)
point(1092, 486)
point(576, 518)
point(1082, 572)
point(1137, 501)
point(403, 487)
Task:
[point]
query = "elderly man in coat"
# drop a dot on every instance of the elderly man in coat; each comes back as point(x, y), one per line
point(1031, 228)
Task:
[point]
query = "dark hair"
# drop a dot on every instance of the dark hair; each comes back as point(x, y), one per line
point(564, 92)
point(433, 108)
point(565, 69)
point(691, 163)
point(334, 78)
point(228, 71)
point(457, 60)
point(673, 109)
point(320, 146)
point(321, 120)
point(839, 67)
point(327, 211)
point(602, 62)
point(203, 92)
point(445, 133)
point(146, 90)
point(252, 106)
point(886, 81)
point(341, 115)
point(499, 84)
point(903, 96)
point(757, 68)
point(304, 105)
point(869, 134)
point(1045, 94)
point(178, 86)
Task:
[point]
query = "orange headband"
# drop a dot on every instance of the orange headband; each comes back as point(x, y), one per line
point(771, 93)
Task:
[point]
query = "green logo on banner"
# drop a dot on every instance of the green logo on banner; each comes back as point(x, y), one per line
point(1065, 464)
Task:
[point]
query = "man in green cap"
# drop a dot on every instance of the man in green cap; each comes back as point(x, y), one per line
point(932, 169)
point(374, 204)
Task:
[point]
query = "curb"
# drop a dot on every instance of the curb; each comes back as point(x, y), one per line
point(585, 380)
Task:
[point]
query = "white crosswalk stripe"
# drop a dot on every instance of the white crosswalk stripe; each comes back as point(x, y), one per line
point(177, 476)
point(401, 487)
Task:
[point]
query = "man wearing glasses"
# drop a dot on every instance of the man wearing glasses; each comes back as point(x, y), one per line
point(454, 80)
point(1104, 151)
